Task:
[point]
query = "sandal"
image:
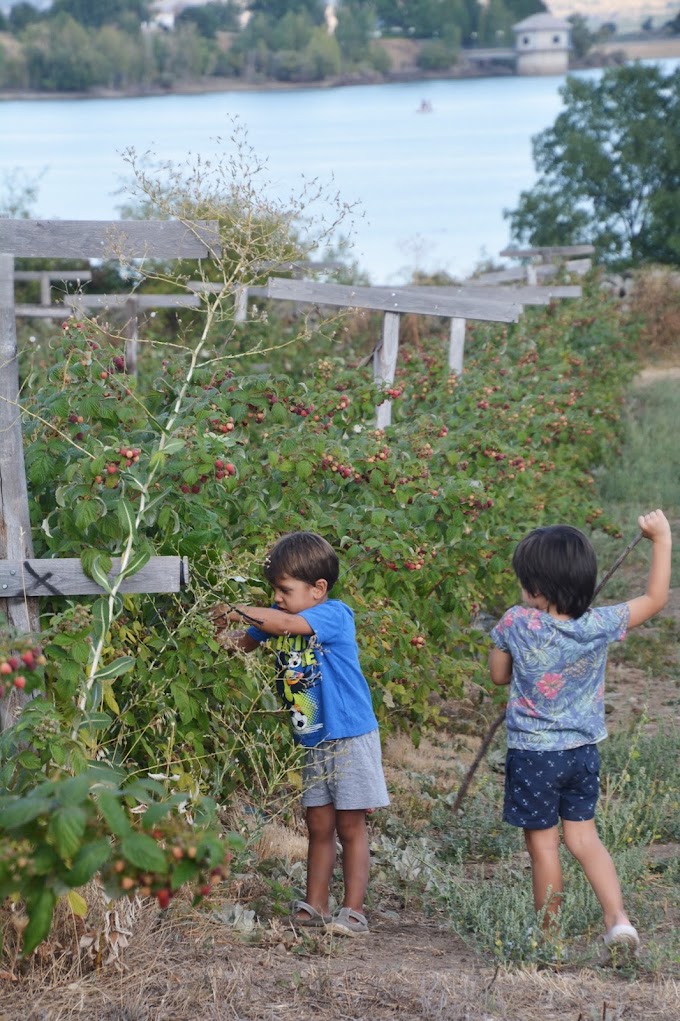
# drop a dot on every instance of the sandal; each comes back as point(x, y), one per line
point(348, 922)
point(312, 919)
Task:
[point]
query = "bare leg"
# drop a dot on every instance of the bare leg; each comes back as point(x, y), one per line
point(546, 871)
point(320, 855)
point(355, 855)
point(582, 840)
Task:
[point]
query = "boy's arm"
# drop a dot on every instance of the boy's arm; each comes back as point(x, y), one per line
point(274, 622)
point(500, 666)
point(232, 640)
point(655, 527)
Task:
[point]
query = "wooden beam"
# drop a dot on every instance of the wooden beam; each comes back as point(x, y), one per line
point(102, 239)
point(42, 311)
point(142, 301)
point(390, 299)
point(31, 275)
point(21, 578)
point(523, 295)
point(507, 276)
point(547, 252)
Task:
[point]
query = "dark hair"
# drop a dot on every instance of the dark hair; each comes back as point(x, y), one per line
point(558, 562)
point(302, 555)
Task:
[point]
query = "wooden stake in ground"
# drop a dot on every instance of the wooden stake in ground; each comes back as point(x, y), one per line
point(489, 736)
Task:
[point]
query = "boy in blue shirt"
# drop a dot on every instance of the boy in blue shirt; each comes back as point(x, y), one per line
point(320, 682)
point(552, 652)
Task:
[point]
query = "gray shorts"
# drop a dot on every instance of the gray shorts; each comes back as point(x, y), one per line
point(346, 773)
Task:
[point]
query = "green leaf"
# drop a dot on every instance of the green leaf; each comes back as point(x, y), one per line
point(101, 619)
point(100, 575)
point(114, 813)
point(174, 445)
point(127, 518)
point(183, 872)
point(143, 852)
point(22, 810)
point(115, 668)
point(88, 557)
point(85, 514)
point(40, 913)
point(66, 828)
point(87, 861)
point(136, 563)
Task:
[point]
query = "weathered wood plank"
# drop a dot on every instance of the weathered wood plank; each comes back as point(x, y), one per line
point(31, 275)
point(211, 287)
point(523, 295)
point(390, 299)
point(101, 239)
point(548, 251)
point(42, 311)
point(65, 577)
point(506, 276)
point(141, 301)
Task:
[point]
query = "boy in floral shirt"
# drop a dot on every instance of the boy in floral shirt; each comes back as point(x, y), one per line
point(552, 652)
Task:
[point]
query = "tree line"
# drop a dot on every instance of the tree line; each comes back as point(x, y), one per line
point(78, 45)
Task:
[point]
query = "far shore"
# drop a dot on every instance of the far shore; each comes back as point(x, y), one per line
point(605, 55)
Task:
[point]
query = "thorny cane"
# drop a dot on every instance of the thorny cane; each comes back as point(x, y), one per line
point(489, 736)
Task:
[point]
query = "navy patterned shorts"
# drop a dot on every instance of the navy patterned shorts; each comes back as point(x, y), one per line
point(543, 787)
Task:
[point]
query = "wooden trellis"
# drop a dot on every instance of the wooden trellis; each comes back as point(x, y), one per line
point(22, 578)
point(393, 303)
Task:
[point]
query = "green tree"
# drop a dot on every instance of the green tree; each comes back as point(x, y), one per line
point(60, 56)
point(356, 24)
point(610, 169)
point(582, 39)
point(95, 13)
point(520, 9)
point(211, 18)
point(22, 15)
point(274, 10)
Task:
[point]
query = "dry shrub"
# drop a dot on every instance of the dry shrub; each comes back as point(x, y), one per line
point(280, 841)
point(655, 303)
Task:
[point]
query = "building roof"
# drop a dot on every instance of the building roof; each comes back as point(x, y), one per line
point(541, 23)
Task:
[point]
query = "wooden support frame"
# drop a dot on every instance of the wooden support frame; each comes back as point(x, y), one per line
point(46, 277)
point(132, 240)
point(392, 302)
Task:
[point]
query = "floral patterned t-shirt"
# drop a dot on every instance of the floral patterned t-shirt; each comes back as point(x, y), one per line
point(557, 688)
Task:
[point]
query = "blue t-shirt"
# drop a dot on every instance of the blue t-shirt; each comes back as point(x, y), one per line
point(557, 687)
point(319, 678)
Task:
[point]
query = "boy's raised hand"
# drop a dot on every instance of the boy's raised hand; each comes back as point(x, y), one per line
point(655, 526)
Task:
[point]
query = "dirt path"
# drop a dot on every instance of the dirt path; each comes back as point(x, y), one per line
point(409, 967)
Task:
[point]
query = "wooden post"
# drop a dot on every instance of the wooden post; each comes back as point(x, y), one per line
point(385, 364)
point(456, 345)
point(241, 304)
point(15, 526)
point(131, 332)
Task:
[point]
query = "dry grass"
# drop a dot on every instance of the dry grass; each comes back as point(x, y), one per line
point(192, 969)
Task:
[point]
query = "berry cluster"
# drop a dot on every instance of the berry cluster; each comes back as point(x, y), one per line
point(13, 667)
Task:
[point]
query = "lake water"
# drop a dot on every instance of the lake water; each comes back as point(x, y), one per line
point(432, 187)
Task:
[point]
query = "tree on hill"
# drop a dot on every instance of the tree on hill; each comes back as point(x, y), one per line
point(95, 13)
point(609, 169)
point(211, 18)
